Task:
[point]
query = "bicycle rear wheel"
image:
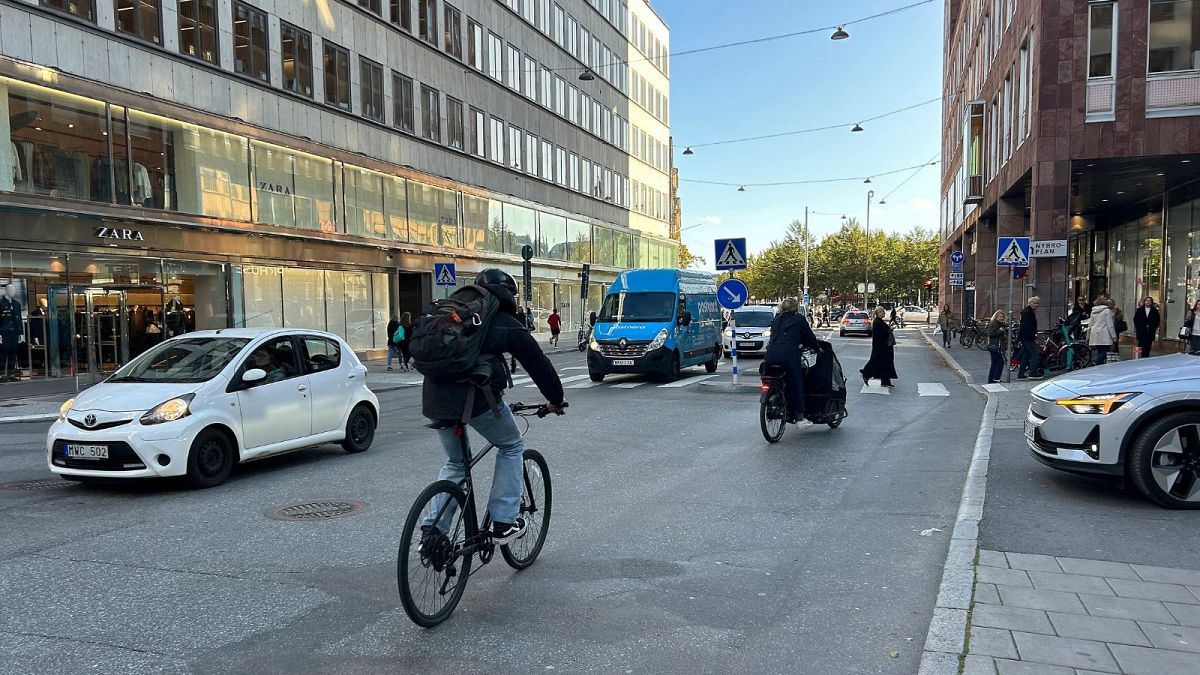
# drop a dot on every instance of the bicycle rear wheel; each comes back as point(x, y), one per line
point(536, 500)
point(771, 417)
point(966, 337)
point(431, 568)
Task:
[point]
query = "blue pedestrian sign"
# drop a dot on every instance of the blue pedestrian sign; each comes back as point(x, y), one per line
point(731, 254)
point(443, 274)
point(1012, 252)
point(732, 293)
point(956, 261)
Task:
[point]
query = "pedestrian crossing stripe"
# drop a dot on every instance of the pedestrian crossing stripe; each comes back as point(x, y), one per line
point(731, 256)
point(876, 389)
point(932, 389)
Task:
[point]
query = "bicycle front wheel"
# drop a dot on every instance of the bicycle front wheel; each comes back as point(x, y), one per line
point(536, 500)
point(434, 563)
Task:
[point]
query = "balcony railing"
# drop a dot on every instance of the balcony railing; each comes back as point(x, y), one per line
point(1172, 91)
point(1101, 99)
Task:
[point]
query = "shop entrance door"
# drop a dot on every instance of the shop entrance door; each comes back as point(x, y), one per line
point(111, 325)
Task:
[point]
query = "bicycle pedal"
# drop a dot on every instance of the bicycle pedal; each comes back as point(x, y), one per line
point(451, 571)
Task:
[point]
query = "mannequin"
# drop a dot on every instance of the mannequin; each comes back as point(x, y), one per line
point(12, 333)
point(175, 319)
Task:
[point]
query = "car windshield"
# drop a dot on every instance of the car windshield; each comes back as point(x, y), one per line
point(647, 307)
point(185, 360)
point(857, 315)
point(754, 317)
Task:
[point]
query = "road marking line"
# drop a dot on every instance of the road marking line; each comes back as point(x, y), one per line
point(995, 388)
point(521, 380)
point(684, 383)
point(573, 378)
point(932, 389)
point(628, 385)
point(876, 389)
point(574, 368)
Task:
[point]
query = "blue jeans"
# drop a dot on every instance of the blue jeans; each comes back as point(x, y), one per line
point(393, 349)
point(1101, 354)
point(505, 500)
point(997, 368)
point(1030, 359)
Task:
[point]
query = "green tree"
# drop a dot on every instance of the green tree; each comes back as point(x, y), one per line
point(688, 259)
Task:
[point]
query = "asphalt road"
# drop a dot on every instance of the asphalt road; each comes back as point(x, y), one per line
point(680, 542)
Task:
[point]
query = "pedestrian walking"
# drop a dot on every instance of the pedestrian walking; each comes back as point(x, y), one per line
point(1119, 326)
point(529, 323)
point(1101, 331)
point(1193, 326)
point(892, 321)
point(946, 323)
point(1079, 312)
point(393, 349)
point(1146, 321)
point(555, 324)
point(995, 335)
point(405, 329)
point(1030, 358)
point(900, 313)
point(882, 364)
point(592, 319)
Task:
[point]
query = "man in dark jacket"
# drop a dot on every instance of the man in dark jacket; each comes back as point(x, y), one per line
point(1030, 358)
point(1145, 324)
point(444, 403)
point(789, 330)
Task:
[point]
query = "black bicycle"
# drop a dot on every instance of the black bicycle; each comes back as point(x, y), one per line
point(434, 562)
point(772, 403)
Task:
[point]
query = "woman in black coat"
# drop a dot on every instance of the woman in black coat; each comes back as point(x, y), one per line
point(1145, 325)
point(883, 352)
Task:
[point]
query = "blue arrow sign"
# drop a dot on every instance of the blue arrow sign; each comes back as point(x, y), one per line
point(1012, 251)
point(956, 257)
point(732, 293)
point(443, 274)
point(731, 254)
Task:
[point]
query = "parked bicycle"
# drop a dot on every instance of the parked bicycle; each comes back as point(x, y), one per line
point(970, 330)
point(434, 562)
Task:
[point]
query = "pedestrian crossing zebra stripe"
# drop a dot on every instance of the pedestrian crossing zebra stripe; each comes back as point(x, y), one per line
point(565, 380)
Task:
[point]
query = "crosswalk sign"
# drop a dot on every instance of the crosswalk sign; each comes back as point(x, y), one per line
point(731, 254)
point(1012, 252)
point(443, 274)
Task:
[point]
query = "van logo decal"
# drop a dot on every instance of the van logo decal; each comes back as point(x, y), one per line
point(624, 343)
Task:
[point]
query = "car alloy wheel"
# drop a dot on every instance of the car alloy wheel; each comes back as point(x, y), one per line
point(1175, 463)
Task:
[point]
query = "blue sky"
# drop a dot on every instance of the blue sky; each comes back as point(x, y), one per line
point(796, 83)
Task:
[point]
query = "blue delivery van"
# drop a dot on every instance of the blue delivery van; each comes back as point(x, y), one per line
point(657, 322)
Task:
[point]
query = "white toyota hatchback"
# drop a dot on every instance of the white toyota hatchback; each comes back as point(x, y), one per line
point(198, 404)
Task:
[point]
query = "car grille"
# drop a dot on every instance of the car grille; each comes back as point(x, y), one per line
point(121, 457)
point(98, 426)
point(630, 350)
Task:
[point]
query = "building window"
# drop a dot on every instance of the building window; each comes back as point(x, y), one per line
point(373, 6)
point(295, 46)
point(403, 110)
point(529, 68)
point(495, 63)
point(453, 37)
point(512, 68)
point(572, 44)
point(250, 42)
point(431, 114)
point(514, 147)
point(547, 160)
point(337, 76)
point(530, 155)
point(560, 96)
point(586, 176)
point(454, 123)
point(370, 75)
point(573, 181)
point(478, 135)
point(1174, 36)
point(402, 14)
point(559, 20)
point(428, 21)
point(545, 84)
point(474, 45)
point(197, 29)
point(140, 18)
point(543, 16)
point(560, 165)
point(496, 138)
point(1102, 39)
point(84, 9)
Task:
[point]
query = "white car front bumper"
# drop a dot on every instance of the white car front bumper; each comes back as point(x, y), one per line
point(134, 450)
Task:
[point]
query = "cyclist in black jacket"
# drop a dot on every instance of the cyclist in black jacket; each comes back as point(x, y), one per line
point(790, 331)
point(444, 402)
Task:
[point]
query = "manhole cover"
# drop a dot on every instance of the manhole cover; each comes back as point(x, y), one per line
point(41, 484)
point(322, 510)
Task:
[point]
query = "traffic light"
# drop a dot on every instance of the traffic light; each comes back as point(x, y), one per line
point(929, 283)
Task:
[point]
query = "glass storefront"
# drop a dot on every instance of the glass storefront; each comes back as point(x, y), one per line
point(352, 305)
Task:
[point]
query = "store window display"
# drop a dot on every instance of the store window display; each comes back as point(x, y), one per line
point(12, 332)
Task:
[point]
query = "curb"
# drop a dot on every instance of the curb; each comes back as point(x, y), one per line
point(727, 388)
point(22, 419)
point(950, 360)
point(946, 640)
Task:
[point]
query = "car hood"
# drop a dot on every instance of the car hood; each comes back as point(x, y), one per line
point(130, 396)
point(1124, 376)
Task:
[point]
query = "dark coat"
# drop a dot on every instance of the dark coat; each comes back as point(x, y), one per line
point(789, 331)
point(883, 355)
point(1146, 327)
point(1028, 324)
point(445, 401)
point(391, 329)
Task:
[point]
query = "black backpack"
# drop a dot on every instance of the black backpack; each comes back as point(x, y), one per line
point(447, 339)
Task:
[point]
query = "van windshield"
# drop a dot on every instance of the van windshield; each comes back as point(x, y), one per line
point(647, 307)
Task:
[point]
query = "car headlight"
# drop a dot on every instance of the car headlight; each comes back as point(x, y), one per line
point(594, 346)
point(64, 409)
point(658, 340)
point(169, 411)
point(729, 333)
point(1096, 405)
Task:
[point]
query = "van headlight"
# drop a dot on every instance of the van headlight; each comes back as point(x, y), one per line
point(64, 409)
point(658, 340)
point(767, 333)
point(594, 346)
point(169, 411)
point(1096, 405)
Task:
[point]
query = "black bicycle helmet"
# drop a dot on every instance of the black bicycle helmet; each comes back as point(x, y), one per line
point(496, 277)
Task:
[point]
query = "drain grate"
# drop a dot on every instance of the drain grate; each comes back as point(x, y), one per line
point(40, 484)
point(319, 510)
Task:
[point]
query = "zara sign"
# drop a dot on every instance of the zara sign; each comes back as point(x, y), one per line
point(123, 234)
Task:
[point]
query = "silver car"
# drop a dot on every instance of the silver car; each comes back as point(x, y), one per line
point(855, 321)
point(1136, 419)
point(753, 330)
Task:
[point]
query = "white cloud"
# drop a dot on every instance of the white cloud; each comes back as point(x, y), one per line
point(711, 220)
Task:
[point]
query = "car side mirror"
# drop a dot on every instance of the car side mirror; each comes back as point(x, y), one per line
point(254, 375)
point(685, 318)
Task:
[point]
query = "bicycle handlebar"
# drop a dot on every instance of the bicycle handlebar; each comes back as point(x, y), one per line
point(540, 410)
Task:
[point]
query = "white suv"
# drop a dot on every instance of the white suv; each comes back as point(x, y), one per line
point(1138, 419)
point(198, 404)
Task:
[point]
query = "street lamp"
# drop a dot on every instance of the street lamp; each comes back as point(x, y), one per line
point(867, 270)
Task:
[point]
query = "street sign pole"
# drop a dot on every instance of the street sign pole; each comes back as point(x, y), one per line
point(1008, 361)
point(733, 339)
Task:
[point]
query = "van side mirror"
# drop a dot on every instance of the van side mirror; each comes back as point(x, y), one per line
point(254, 375)
point(685, 318)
